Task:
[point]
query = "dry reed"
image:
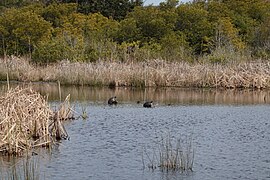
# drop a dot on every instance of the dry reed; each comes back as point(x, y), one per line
point(179, 157)
point(144, 74)
point(65, 112)
point(176, 156)
point(26, 122)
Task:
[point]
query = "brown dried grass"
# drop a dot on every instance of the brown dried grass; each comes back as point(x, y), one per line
point(150, 73)
point(26, 122)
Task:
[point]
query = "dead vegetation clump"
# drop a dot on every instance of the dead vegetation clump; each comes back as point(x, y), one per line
point(27, 122)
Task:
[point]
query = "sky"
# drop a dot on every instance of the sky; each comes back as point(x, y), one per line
point(156, 2)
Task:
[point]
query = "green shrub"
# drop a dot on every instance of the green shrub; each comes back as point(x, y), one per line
point(49, 51)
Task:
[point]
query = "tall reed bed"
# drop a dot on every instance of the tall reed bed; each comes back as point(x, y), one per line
point(171, 154)
point(148, 73)
point(27, 122)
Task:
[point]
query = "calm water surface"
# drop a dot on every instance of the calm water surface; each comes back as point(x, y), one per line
point(230, 131)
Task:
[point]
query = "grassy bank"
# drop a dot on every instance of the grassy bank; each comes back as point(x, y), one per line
point(142, 74)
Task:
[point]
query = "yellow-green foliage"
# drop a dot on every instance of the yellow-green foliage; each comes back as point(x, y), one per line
point(58, 13)
point(97, 25)
point(93, 31)
point(151, 23)
point(227, 34)
point(21, 31)
point(175, 47)
point(193, 21)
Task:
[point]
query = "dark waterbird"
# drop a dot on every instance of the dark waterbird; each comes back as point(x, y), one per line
point(148, 104)
point(112, 101)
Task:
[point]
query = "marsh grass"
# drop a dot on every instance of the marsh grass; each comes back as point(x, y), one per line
point(148, 73)
point(27, 121)
point(170, 155)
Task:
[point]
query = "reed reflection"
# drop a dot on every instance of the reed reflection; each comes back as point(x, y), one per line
point(161, 96)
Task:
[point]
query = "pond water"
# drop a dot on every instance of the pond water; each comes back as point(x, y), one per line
point(230, 133)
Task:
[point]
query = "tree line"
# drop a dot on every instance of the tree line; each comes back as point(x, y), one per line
point(109, 30)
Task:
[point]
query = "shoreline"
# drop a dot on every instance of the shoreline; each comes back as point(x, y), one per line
point(152, 73)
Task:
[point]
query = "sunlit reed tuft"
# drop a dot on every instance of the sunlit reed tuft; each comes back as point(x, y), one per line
point(27, 122)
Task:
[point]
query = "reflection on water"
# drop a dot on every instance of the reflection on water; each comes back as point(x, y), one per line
point(162, 96)
point(231, 132)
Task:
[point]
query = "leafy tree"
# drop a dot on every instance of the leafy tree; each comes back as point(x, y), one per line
point(227, 35)
point(17, 3)
point(246, 14)
point(50, 51)
point(80, 38)
point(217, 10)
point(175, 47)
point(193, 21)
point(58, 13)
point(3, 36)
point(261, 40)
point(151, 23)
point(128, 31)
point(99, 26)
point(87, 30)
point(10, 3)
point(169, 4)
point(21, 30)
point(116, 9)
